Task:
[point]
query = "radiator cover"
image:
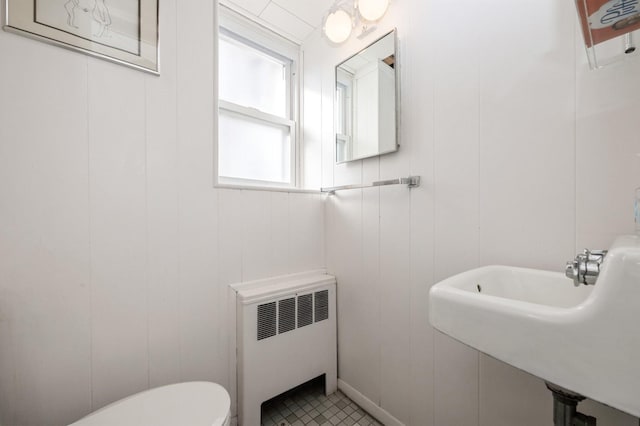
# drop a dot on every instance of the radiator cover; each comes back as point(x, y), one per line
point(285, 336)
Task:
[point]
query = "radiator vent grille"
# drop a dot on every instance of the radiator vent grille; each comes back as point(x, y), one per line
point(288, 314)
point(266, 320)
point(305, 310)
point(322, 305)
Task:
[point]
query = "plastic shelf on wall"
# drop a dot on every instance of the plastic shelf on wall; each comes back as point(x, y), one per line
point(611, 29)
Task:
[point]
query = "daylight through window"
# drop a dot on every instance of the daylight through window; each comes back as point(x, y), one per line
point(257, 105)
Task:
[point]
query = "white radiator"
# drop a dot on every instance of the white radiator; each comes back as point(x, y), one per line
point(286, 336)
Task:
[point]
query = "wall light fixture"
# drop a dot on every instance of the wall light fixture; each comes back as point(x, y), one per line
point(344, 15)
point(338, 25)
point(372, 10)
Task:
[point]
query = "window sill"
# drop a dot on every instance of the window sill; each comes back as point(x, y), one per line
point(266, 188)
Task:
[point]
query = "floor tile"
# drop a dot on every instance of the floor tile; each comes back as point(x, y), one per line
point(307, 405)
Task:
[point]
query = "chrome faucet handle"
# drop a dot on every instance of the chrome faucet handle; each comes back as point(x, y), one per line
point(571, 271)
point(585, 268)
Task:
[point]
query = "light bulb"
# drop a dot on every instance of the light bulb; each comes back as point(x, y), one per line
point(338, 25)
point(372, 10)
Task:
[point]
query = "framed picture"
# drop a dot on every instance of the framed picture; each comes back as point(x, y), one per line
point(122, 31)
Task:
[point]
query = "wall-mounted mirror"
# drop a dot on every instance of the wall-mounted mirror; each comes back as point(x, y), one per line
point(365, 102)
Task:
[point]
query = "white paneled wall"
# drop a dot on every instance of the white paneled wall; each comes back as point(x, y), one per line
point(115, 249)
point(117, 234)
point(45, 305)
point(526, 158)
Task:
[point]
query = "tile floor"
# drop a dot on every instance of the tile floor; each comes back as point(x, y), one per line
point(308, 405)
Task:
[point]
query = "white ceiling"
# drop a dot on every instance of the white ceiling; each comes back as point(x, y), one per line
point(294, 19)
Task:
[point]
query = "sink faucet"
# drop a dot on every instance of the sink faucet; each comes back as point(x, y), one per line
point(584, 269)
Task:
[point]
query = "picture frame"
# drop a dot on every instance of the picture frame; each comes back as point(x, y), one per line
point(121, 31)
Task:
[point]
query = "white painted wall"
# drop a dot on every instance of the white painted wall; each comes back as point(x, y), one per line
point(526, 158)
point(115, 250)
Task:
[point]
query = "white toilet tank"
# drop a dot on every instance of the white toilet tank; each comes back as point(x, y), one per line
point(185, 404)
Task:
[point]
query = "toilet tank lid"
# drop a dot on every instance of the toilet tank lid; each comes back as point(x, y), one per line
point(191, 403)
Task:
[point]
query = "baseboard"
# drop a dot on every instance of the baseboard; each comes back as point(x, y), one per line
point(369, 406)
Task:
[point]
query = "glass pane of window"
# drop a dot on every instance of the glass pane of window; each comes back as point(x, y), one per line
point(341, 149)
point(252, 78)
point(253, 149)
point(341, 127)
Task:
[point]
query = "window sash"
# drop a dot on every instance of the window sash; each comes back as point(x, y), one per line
point(244, 30)
point(287, 63)
point(344, 115)
point(255, 114)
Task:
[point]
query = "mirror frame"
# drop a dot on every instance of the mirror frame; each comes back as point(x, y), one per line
point(396, 147)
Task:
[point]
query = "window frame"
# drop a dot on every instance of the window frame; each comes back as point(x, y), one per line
point(344, 114)
point(239, 29)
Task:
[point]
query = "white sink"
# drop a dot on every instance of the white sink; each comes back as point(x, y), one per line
point(585, 339)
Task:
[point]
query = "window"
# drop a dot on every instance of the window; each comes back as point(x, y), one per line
point(257, 106)
point(344, 108)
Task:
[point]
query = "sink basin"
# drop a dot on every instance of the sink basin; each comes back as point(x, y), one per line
point(586, 339)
